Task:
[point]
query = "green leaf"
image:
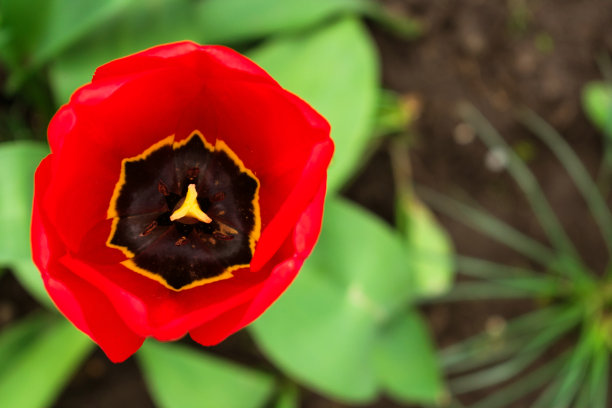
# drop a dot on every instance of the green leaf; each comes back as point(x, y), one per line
point(18, 336)
point(164, 21)
point(597, 103)
point(22, 25)
point(235, 21)
point(335, 69)
point(406, 361)
point(182, 377)
point(40, 31)
point(322, 330)
point(41, 363)
point(68, 21)
point(430, 251)
point(19, 159)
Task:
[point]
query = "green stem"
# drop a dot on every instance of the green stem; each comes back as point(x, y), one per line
point(576, 170)
point(525, 179)
point(489, 226)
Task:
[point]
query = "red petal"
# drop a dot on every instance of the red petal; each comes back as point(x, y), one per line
point(151, 309)
point(83, 304)
point(109, 128)
point(91, 312)
point(295, 250)
point(62, 125)
point(279, 137)
point(211, 62)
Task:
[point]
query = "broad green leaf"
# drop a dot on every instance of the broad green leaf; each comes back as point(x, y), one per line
point(16, 337)
point(39, 30)
point(430, 251)
point(41, 364)
point(22, 25)
point(19, 160)
point(234, 21)
point(182, 377)
point(68, 21)
point(322, 330)
point(406, 361)
point(597, 103)
point(164, 21)
point(335, 69)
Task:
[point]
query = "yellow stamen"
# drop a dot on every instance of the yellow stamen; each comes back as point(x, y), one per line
point(190, 208)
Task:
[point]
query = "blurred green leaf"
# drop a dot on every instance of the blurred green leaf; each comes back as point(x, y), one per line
point(323, 329)
point(18, 336)
point(138, 28)
point(597, 103)
point(164, 21)
point(335, 69)
point(235, 21)
point(41, 363)
point(22, 25)
point(406, 361)
point(39, 31)
point(182, 377)
point(429, 248)
point(68, 21)
point(19, 160)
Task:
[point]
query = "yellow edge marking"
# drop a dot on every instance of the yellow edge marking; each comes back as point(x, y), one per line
point(256, 232)
point(227, 273)
point(112, 209)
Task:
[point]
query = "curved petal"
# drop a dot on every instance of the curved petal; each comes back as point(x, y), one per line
point(211, 62)
point(82, 303)
point(110, 127)
point(276, 135)
point(89, 310)
point(60, 127)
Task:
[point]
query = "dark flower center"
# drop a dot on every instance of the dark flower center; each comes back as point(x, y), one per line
point(185, 213)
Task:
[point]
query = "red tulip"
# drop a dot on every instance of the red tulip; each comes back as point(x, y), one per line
point(183, 192)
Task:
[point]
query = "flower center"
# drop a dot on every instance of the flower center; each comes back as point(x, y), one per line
point(185, 213)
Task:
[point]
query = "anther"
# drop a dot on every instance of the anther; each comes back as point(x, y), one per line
point(193, 173)
point(181, 241)
point(222, 237)
point(149, 229)
point(219, 196)
point(162, 188)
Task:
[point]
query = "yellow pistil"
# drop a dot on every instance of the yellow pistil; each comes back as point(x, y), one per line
point(190, 209)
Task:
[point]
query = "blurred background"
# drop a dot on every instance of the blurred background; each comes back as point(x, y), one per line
point(473, 165)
